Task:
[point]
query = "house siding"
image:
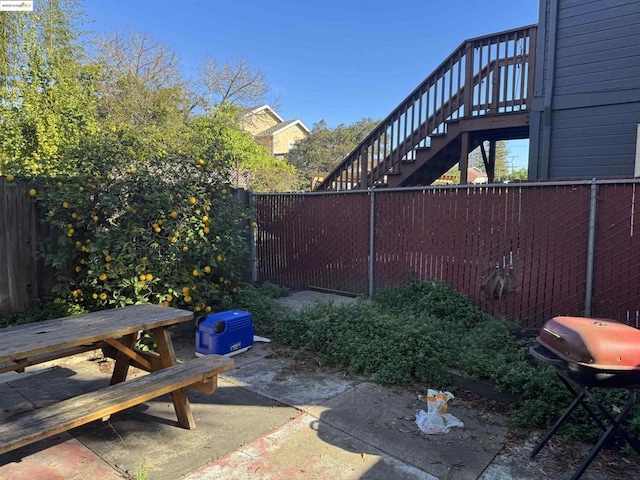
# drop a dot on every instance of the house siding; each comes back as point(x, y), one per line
point(281, 141)
point(587, 127)
point(259, 122)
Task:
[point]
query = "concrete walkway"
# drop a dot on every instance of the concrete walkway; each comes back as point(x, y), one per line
point(272, 418)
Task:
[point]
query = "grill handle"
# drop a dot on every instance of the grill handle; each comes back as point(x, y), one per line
point(551, 360)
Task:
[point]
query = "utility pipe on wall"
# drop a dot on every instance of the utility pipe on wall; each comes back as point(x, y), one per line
point(591, 247)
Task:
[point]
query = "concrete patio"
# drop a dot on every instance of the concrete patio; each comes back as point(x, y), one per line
point(272, 417)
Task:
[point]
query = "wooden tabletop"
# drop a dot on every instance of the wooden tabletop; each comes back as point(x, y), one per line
point(33, 339)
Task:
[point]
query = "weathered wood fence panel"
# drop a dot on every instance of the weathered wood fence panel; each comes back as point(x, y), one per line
point(18, 242)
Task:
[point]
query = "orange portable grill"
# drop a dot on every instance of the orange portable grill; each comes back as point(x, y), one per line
point(588, 353)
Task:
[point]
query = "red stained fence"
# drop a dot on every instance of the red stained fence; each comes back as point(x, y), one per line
point(519, 251)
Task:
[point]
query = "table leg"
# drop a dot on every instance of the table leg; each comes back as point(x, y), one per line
point(122, 361)
point(179, 397)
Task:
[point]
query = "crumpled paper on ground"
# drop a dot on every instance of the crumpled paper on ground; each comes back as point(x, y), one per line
point(436, 420)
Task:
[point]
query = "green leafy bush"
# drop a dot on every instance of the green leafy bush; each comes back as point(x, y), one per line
point(45, 309)
point(418, 332)
point(258, 300)
point(140, 224)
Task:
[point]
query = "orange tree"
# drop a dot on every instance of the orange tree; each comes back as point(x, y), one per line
point(140, 223)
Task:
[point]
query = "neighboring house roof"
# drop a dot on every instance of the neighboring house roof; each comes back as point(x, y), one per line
point(279, 127)
point(267, 108)
point(475, 175)
point(271, 131)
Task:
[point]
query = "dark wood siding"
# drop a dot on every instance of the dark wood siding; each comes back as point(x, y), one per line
point(592, 115)
point(594, 141)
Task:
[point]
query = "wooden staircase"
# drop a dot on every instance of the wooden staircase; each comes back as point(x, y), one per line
point(481, 92)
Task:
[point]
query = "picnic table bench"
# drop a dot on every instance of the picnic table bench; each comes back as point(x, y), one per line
point(116, 332)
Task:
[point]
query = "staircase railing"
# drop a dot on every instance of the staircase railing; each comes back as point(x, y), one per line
point(488, 75)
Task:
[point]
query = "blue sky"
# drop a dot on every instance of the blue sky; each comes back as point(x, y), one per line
point(333, 60)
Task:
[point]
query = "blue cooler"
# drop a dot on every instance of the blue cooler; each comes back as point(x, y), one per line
point(225, 333)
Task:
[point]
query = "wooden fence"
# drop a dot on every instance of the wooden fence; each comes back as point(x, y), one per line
point(526, 251)
point(23, 279)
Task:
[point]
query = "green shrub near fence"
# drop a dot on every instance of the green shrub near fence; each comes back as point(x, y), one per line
point(414, 335)
point(139, 225)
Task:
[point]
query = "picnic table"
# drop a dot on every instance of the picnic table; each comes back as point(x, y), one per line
point(115, 332)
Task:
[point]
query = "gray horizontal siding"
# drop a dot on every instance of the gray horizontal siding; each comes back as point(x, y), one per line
point(597, 77)
point(591, 142)
point(573, 8)
point(598, 47)
point(597, 21)
point(595, 41)
point(601, 53)
point(595, 85)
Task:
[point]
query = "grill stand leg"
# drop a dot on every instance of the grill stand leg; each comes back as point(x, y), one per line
point(579, 400)
point(614, 423)
point(558, 424)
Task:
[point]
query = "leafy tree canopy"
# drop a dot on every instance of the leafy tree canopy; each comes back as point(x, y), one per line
point(325, 147)
point(46, 93)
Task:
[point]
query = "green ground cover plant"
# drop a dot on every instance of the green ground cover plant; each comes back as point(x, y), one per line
point(416, 334)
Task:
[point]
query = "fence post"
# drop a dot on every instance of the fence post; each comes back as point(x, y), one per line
point(372, 212)
point(591, 246)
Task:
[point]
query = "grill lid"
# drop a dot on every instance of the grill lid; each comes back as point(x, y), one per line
point(599, 343)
